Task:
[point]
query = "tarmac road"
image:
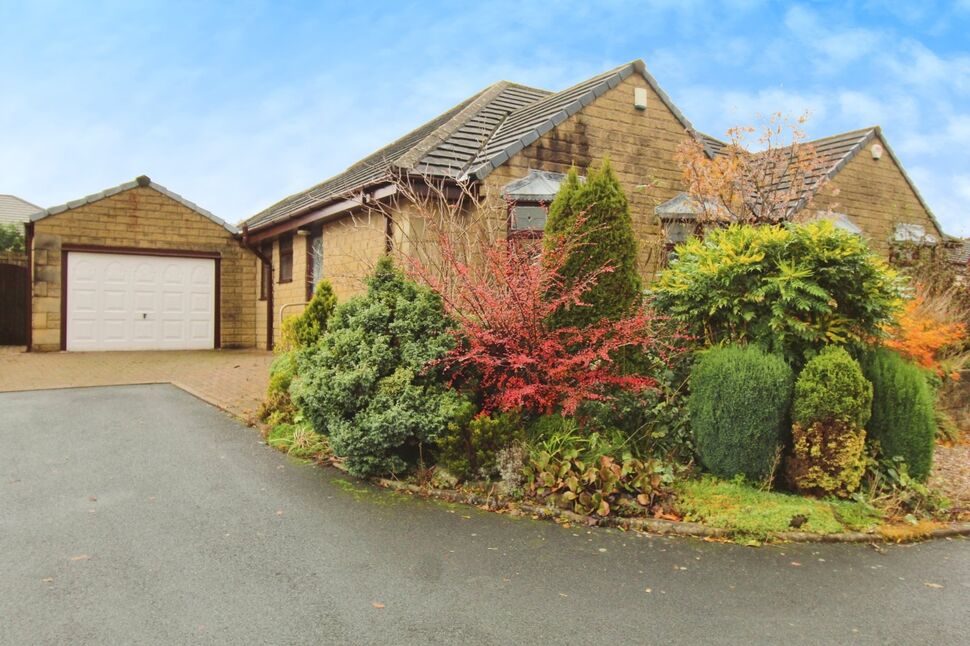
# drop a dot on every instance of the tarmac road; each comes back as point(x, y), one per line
point(139, 514)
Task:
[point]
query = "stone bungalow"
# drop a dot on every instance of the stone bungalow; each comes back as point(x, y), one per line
point(516, 141)
point(508, 141)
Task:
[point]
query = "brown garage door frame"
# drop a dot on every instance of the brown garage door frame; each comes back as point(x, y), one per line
point(136, 251)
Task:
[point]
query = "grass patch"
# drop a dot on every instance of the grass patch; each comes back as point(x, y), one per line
point(299, 441)
point(757, 514)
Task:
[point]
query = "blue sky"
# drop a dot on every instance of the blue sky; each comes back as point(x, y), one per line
point(238, 105)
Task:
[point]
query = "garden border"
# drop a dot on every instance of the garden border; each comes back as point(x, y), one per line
point(656, 525)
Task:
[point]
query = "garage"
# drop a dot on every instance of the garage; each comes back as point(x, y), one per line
point(118, 301)
point(138, 267)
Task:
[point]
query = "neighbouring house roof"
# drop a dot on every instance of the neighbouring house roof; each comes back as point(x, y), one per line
point(713, 145)
point(835, 152)
point(959, 253)
point(141, 180)
point(468, 141)
point(14, 210)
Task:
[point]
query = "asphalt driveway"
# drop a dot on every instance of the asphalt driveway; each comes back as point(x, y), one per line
point(139, 514)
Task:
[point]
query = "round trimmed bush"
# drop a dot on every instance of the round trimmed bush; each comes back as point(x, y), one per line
point(832, 403)
point(738, 407)
point(902, 422)
point(832, 387)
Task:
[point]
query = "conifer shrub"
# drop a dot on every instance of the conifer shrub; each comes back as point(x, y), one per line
point(739, 402)
point(277, 407)
point(793, 289)
point(596, 211)
point(374, 384)
point(832, 403)
point(471, 450)
point(309, 327)
point(903, 421)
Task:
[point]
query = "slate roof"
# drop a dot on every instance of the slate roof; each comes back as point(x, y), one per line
point(835, 152)
point(481, 133)
point(469, 141)
point(960, 253)
point(14, 210)
point(443, 146)
point(141, 180)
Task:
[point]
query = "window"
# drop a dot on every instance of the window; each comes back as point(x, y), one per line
point(266, 271)
point(529, 217)
point(314, 263)
point(286, 259)
point(675, 232)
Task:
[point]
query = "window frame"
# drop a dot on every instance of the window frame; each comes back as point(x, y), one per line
point(310, 283)
point(668, 254)
point(286, 259)
point(266, 271)
point(512, 231)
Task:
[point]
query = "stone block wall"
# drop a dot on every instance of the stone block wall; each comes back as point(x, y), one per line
point(140, 218)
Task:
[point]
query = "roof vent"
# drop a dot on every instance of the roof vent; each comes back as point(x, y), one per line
point(640, 98)
point(876, 150)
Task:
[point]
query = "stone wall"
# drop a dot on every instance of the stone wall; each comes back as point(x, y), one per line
point(876, 196)
point(141, 218)
point(639, 143)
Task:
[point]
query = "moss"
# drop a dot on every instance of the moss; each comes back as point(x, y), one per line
point(758, 514)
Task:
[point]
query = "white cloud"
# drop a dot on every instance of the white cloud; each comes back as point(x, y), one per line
point(917, 65)
point(830, 47)
point(948, 195)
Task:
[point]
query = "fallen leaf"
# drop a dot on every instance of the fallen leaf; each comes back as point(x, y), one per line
point(796, 563)
point(378, 605)
point(93, 498)
point(935, 586)
point(80, 557)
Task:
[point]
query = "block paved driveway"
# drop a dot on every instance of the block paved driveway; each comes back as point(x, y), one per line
point(140, 515)
point(233, 380)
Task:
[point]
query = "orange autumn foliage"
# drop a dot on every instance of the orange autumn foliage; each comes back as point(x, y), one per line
point(921, 336)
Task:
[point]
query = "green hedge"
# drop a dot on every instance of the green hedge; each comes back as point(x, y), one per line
point(738, 406)
point(903, 421)
point(832, 403)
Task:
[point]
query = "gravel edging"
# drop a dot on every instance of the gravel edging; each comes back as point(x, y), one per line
point(657, 525)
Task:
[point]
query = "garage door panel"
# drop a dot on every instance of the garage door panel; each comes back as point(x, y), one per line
point(131, 302)
point(173, 302)
point(115, 300)
point(85, 300)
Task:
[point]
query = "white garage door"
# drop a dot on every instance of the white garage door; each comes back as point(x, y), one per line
point(128, 302)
